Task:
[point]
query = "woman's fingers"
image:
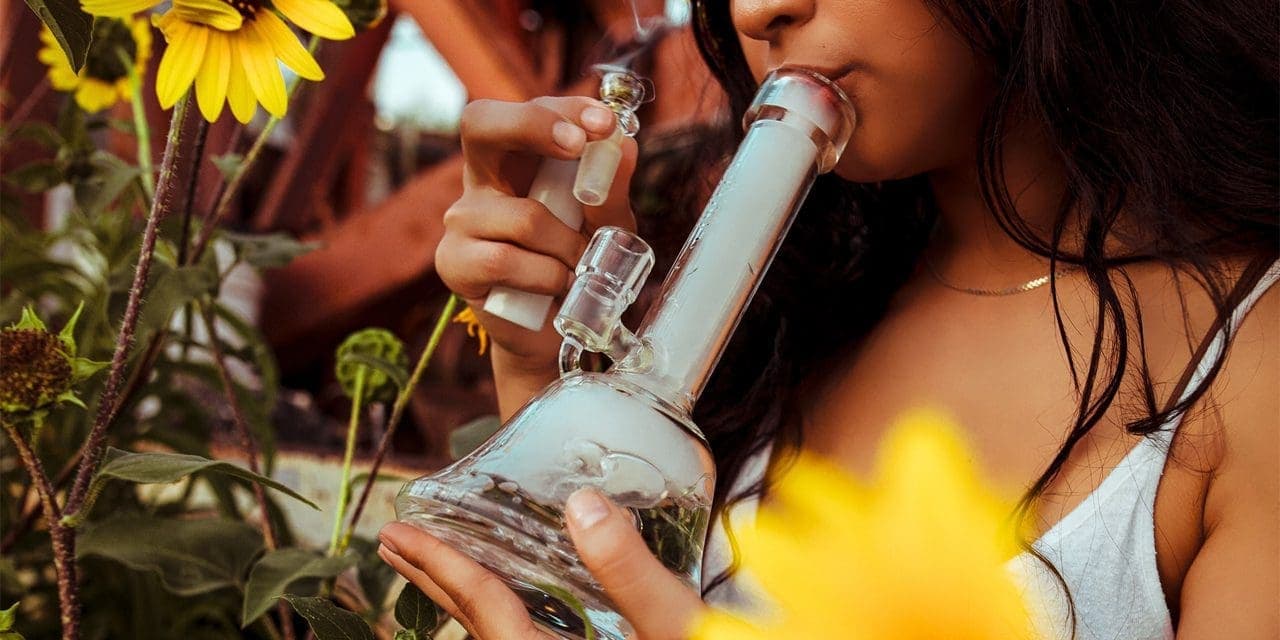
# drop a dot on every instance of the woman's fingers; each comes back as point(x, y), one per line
point(650, 597)
point(425, 584)
point(491, 609)
point(551, 127)
point(471, 268)
point(521, 221)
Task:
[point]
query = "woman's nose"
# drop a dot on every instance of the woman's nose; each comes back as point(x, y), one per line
point(767, 19)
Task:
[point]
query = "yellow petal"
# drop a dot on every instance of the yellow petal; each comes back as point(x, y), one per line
point(61, 77)
point(141, 29)
point(212, 13)
point(261, 70)
point(116, 8)
point(181, 60)
point(95, 95)
point(215, 74)
point(320, 17)
point(286, 45)
point(239, 95)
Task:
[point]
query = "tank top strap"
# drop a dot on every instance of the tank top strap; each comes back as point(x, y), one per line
point(1164, 437)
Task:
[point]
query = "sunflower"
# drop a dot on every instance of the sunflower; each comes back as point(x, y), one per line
point(230, 49)
point(918, 553)
point(104, 78)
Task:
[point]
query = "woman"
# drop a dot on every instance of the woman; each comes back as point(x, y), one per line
point(1051, 223)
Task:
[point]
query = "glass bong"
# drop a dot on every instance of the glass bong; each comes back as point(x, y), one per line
point(628, 431)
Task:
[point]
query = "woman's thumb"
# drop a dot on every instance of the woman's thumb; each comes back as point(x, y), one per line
point(649, 596)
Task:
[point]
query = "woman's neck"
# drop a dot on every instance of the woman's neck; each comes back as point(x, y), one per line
point(969, 247)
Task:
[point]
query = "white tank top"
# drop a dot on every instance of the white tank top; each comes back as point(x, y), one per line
point(1104, 548)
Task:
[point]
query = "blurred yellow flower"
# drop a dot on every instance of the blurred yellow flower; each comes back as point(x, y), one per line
point(917, 554)
point(474, 329)
point(230, 48)
point(105, 77)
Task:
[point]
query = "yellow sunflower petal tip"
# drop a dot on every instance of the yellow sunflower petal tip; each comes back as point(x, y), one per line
point(925, 535)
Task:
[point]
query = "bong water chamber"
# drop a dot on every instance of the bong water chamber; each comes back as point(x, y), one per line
point(628, 431)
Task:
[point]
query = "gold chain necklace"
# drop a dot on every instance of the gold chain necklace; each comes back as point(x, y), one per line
point(1029, 285)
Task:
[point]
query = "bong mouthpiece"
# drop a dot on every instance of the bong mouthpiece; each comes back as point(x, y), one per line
point(623, 92)
point(811, 101)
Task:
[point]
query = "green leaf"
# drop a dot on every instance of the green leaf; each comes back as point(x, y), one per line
point(374, 575)
point(268, 251)
point(401, 634)
point(110, 178)
point(155, 467)
point(42, 133)
point(398, 375)
point(36, 177)
point(328, 621)
point(189, 556)
point(273, 574)
point(228, 164)
point(71, 27)
point(466, 438)
point(30, 320)
point(7, 617)
point(172, 288)
point(415, 612)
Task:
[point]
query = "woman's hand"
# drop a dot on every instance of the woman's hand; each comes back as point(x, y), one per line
point(494, 236)
point(650, 597)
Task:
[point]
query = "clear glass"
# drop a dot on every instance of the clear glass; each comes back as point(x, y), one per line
point(628, 432)
point(502, 504)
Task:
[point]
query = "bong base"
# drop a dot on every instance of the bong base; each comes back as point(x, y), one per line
point(515, 542)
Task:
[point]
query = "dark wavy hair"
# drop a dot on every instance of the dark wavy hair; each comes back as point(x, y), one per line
point(1164, 116)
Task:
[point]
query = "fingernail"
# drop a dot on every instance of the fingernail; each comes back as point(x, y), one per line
point(568, 136)
point(597, 118)
point(586, 507)
point(387, 541)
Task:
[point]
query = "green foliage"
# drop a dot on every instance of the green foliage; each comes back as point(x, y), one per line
point(268, 251)
point(188, 560)
point(7, 617)
point(275, 572)
point(189, 556)
point(151, 468)
point(328, 621)
point(71, 27)
point(380, 354)
point(416, 613)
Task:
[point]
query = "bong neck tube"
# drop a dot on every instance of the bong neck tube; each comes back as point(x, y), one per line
point(796, 129)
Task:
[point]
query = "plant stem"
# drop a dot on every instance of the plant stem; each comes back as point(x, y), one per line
point(20, 114)
point(247, 441)
point(141, 128)
point(62, 538)
point(233, 184)
point(250, 446)
point(397, 410)
point(161, 207)
point(189, 195)
point(344, 488)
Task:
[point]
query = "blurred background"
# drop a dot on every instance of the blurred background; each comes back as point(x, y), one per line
point(367, 162)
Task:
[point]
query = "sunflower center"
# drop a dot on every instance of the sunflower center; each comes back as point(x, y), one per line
point(110, 38)
point(247, 8)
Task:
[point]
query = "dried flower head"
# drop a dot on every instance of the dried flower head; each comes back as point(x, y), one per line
point(39, 368)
